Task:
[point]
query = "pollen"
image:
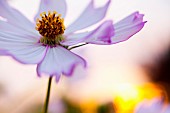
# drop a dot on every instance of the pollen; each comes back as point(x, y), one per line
point(50, 26)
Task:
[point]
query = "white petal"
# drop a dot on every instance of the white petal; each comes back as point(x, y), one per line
point(52, 5)
point(15, 17)
point(58, 61)
point(90, 16)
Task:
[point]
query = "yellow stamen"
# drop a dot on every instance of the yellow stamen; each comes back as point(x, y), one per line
point(51, 27)
point(43, 13)
point(54, 12)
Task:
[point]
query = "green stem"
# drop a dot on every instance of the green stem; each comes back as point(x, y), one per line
point(48, 95)
point(49, 84)
point(77, 46)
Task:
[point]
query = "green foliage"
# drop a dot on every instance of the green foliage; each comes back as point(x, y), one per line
point(106, 108)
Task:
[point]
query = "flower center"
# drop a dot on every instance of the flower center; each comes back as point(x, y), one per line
point(51, 27)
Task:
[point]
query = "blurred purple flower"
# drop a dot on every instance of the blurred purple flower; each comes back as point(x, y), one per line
point(57, 106)
point(49, 47)
point(156, 106)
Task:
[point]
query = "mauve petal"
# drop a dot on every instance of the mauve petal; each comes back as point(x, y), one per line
point(10, 40)
point(58, 61)
point(23, 49)
point(127, 27)
point(28, 54)
point(101, 35)
point(134, 18)
point(74, 39)
point(126, 33)
point(90, 16)
point(14, 17)
point(7, 27)
point(52, 5)
point(3, 53)
point(107, 33)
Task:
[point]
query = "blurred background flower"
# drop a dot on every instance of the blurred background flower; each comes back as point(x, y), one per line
point(118, 77)
point(156, 106)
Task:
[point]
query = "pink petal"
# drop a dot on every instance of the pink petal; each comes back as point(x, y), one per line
point(127, 27)
point(90, 16)
point(101, 35)
point(52, 5)
point(58, 61)
point(15, 17)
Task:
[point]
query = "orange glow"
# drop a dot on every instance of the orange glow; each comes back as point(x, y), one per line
point(128, 96)
point(89, 106)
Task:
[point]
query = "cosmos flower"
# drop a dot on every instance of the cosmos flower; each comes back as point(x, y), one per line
point(156, 106)
point(47, 41)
